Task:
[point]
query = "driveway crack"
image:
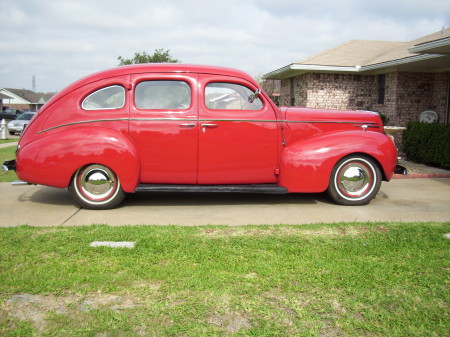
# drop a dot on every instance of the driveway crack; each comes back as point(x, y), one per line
point(70, 217)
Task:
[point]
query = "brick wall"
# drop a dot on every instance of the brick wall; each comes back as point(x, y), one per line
point(18, 106)
point(440, 94)
point(332, 91)
point(406, 94)
point(285, 95)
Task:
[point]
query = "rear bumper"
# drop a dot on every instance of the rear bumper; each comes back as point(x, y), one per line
point(399, 169)
point(9, 165)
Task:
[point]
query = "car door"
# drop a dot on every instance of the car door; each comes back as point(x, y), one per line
point(237, 138)
point(163, 124)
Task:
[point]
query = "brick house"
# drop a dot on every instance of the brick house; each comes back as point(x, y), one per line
point(397, 79)
point(23, 99)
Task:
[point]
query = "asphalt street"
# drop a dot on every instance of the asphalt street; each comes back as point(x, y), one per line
point(408, 200)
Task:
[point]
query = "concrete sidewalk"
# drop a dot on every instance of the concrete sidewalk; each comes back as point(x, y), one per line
point(8, 144)
point(405, 200)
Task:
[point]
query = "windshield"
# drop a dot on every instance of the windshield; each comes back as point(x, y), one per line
point(25, 116)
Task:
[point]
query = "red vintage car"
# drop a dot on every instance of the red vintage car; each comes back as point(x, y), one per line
point(177, 127)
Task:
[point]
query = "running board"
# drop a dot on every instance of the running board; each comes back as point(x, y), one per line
point(251, 188)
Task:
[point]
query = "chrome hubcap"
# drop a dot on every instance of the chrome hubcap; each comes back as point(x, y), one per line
point(355, 179)
point(97, 182)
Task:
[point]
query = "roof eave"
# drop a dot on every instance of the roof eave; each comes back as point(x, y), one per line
point(399, 62)
point(425, 47)
point(297, 69)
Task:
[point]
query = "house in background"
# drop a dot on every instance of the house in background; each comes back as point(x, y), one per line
point(2, 97)
point(22, 99)
point(401, 80)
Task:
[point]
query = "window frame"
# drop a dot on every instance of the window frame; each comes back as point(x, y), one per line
point(188, 86)
point(102, 89)
point(205, 102)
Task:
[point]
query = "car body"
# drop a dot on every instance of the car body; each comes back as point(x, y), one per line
point(17, 125)
point(177, 127)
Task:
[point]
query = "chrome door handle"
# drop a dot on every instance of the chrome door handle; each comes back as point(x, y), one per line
point(187, 125)
point(208, 125)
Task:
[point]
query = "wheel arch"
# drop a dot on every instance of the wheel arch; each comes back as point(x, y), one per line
point(54, 159)
point(306, 165)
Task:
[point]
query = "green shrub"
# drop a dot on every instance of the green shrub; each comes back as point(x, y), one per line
point(427, 143)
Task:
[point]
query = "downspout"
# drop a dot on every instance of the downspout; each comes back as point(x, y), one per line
point(447, 108)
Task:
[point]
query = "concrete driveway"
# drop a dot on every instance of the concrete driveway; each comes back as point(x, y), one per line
point(405, 200)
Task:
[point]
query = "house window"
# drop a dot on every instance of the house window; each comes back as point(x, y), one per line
point(381, 88)
point(292, 79)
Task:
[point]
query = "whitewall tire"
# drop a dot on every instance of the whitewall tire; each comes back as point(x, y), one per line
point(354, 180)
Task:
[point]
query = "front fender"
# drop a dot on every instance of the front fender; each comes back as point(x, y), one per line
point(53, 158)
point(306, 165)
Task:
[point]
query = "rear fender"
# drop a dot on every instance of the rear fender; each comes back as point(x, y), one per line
point(306, 165)
point(53, 158)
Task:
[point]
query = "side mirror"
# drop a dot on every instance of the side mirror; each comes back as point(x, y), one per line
point(254, 95)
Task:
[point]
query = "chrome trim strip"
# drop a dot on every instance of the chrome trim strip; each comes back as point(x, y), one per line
point(83, 122)
point(356, 124)
point(237, 120)
point(175, 119)
point(329, 122)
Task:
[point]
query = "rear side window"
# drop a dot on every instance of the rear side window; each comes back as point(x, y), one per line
point(230, 96)
point(112, 97)
point(162, 95)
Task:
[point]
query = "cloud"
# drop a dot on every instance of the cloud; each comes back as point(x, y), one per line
point(61, 41)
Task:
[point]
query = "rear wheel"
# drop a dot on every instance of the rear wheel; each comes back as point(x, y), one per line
point(355, 180)
point(96, 187)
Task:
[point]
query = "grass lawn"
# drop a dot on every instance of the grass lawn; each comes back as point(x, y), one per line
point(7, 153)
point(360, 279)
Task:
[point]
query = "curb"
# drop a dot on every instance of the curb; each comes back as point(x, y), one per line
point(420, 175)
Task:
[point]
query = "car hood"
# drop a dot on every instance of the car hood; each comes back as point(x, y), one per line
point(291, 114)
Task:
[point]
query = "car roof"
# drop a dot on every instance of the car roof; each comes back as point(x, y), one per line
point(151, 68)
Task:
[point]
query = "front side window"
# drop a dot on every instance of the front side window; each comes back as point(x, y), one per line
point(162, 95)
point(231, 96)
point(112, 97)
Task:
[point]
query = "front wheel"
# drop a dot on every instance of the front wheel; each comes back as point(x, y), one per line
point(355, 180)
point(96, 187)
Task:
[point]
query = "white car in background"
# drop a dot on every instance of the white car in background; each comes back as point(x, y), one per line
point(17, 125)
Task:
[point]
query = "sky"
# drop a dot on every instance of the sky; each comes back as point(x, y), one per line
point(61, 41)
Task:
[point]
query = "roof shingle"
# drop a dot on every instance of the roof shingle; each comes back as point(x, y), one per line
point(367, 52)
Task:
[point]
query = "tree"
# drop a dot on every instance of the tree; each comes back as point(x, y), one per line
point(159, 56)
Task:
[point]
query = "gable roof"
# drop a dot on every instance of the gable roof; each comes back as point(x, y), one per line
point(3, 96)
point(351, 53)
point(366, 55)
point(29, 96)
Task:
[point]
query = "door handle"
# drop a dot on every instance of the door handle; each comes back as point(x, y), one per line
point(208, 125)
point(187, 125)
